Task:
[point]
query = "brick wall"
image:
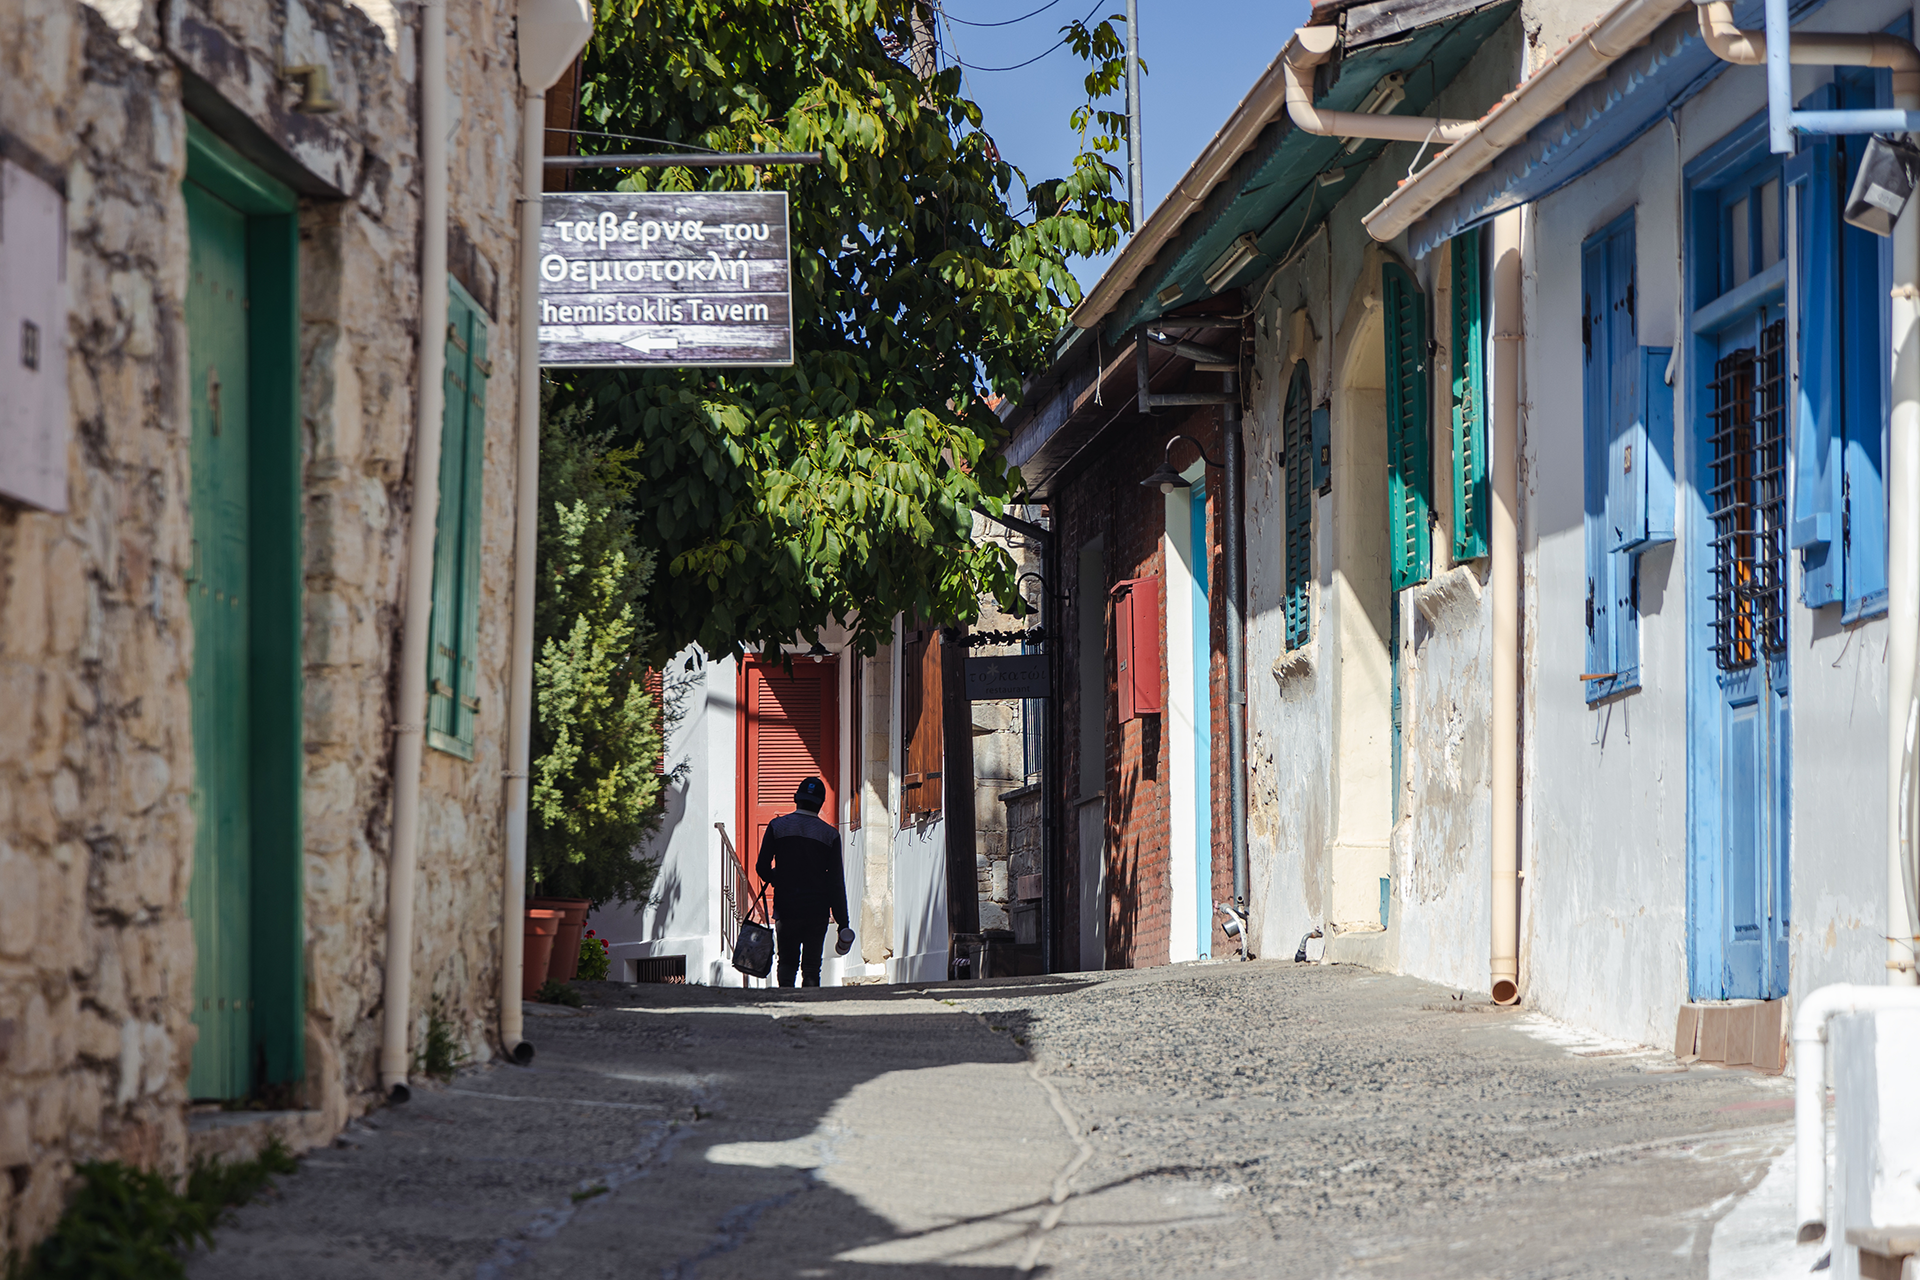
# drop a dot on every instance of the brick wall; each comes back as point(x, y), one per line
point(1105, 499)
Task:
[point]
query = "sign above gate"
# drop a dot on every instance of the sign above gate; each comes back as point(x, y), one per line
point(1013, 675)
point(667, 279)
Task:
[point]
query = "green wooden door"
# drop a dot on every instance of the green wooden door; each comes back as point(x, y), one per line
point(220, 900)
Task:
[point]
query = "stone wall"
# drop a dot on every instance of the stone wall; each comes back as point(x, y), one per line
point(96, 758)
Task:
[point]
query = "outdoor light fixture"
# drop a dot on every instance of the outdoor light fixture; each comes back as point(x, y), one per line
point(1385, 96)
point(1883, 185)
point(1166, 478)
point(819, 651)
point(1242, 251)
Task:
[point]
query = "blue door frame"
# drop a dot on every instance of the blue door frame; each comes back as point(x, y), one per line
point(1739, 793)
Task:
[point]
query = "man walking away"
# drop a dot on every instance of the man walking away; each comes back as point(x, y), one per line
point(800, 858)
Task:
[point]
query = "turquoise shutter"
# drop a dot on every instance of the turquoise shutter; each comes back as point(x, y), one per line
point(452, 699)
point(1470, 494)
point(1812, 181)
point(1409, 473)
point(1297, 441)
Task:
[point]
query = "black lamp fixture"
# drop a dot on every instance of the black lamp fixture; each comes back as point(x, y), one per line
point(1166, 479)
point(819, 651)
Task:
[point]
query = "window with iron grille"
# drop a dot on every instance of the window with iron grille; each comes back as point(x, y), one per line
point(1748, 501)
point(1296, 439)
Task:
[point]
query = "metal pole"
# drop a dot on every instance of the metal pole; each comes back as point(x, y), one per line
point(1236, 645)
point(1779, 80)
point(1136, 175)
point(691, 160)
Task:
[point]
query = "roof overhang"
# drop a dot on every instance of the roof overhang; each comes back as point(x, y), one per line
point(1568, 124)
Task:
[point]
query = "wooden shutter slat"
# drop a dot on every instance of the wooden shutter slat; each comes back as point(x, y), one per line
point(1297, 443)
point(1408, 470)
point(1470, 489)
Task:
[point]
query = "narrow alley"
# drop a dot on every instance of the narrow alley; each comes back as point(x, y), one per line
point(1213, 1120)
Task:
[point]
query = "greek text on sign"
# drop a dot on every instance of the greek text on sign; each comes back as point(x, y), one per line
point(665, 278)
point(1013, 675)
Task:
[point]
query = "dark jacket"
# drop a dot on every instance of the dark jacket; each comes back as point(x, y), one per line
point(800, 858)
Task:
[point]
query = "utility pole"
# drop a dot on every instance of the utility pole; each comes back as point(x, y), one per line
point(922, 54)
point(1136, 176)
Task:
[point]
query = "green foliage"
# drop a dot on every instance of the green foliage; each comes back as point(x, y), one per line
point(440, 1053)
point(594, 960)
point(927, 272)
point(598, 733)
point(552, 992)
point(128, 1224)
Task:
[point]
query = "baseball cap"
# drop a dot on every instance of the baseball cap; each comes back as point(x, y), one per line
point(810, 794)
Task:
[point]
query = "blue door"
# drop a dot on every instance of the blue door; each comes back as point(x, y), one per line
point(1202, 724)
point(1738, 744)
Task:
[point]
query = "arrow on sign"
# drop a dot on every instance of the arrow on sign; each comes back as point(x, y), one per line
point(651, 344)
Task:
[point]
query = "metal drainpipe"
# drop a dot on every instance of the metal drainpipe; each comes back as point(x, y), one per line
point(1236, 644)
point(1136, 171)
point(1508, 336)
point(410, 714)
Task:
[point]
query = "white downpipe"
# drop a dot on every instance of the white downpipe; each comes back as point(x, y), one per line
point(526, 533)
point(1312, 46)
point(410, 729)
point(1748, 48)
point(1509, 344)
point(1810, 1089)
point(551, 34)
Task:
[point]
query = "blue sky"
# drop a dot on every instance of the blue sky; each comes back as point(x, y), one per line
point(1202, 56)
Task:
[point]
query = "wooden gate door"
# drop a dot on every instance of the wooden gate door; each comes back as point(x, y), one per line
point(791, 730)
point(220, 899)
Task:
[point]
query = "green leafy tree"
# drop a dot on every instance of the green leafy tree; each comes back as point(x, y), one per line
point(596, 785)
point(928, 274)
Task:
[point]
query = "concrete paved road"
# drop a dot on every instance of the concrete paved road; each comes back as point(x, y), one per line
point(1200, 1120)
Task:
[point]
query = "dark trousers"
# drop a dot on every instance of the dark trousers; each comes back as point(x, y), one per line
point(802, 943)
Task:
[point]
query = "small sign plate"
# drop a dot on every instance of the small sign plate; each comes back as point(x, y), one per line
point(666, 279)
point(1016, 675)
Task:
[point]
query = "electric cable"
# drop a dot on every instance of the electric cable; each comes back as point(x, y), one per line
point(1009, 22)
point(1036, 57)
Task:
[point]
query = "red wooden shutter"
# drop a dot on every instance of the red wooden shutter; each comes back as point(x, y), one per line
point(921, 725)
point(792, 724)
point(1136, 638)
point(656, 689)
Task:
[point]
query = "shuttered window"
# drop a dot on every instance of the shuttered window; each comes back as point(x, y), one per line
point(1470, 492)
point(1611, 397)
point(453, 700)
point(921, 725)
point(1839, 516)
point(1296, 434)
point(1409, 471)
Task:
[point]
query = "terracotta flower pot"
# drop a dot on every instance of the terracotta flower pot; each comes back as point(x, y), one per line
point(566, 947)
point(537, 950)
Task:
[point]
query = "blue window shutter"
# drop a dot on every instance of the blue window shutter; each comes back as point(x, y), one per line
point(1470, 491)
point(1866, 323)
point(1594, 300)
point(1812, 178)
point(479, 370)
point(1409, 469)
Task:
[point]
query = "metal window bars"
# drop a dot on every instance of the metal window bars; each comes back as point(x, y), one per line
point(1748, 494)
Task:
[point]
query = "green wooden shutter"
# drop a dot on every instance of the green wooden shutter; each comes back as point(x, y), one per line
point(1297, 443)
point(452, 696)
point(1409, 472)
point(1469, 400)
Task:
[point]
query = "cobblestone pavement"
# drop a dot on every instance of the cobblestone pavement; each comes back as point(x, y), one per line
point(1193, 1121)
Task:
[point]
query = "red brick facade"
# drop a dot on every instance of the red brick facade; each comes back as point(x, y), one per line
point(1104, 499)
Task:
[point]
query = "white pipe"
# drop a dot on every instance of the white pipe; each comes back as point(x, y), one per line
point(1508, 338)
point(551, 34)
point(411, 712)
point(1810, 1089)
point(526, 533)
point(1565, 74)
point(1806, 49)
point(1312, 46)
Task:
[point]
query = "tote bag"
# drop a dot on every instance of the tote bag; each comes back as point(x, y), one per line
point(753, 948)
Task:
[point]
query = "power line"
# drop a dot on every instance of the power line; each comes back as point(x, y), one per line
point(1036, 57)
point(1009, 22)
